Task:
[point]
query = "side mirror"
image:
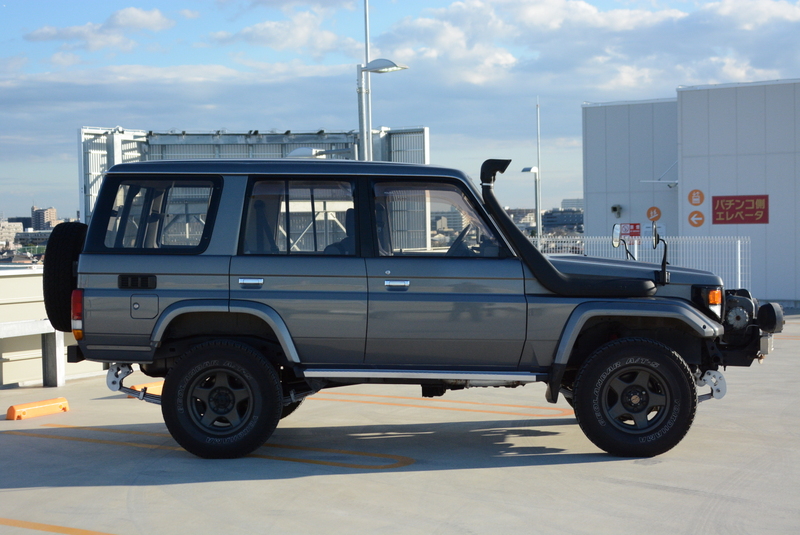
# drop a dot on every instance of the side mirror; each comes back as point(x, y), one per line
point(615, 235)
point(656, 237)
point(662, 277)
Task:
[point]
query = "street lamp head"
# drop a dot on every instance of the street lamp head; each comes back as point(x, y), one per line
point(383, 65)
point(530, 170)
point(364, 105)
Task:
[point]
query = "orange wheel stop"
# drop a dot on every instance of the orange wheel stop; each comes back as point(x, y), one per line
point(37, 408)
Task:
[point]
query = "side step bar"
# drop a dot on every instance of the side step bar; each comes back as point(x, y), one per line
point(474, 378)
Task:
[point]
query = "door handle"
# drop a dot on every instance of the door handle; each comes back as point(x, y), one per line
point(397, 285)
point(248, 282)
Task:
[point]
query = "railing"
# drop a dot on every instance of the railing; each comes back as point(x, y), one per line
point(726, 256)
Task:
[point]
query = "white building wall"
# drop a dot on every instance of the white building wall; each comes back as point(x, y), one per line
point(726, 140)
point(630, 155)
point(744, 140)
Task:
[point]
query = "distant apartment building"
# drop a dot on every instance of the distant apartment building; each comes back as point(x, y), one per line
point(567, 220)
point(26, 222)
point(8, 233)
point(523, 218)
point(43, 218)
point(572, 203)
point(451, 219)
point(33, 237)
point(518, 214)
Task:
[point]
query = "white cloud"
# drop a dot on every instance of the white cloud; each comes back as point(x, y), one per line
point(12, 65)
point(460, 39)
point(65, 59)
point(189, 14)
point(290, 70)
point(89, 36)
point(285, 4)
point(625, 77)
point(139, 19)
point(302, 32)
point(110, 34)
point(752, 14)
point(739, 70)
point(555, 14)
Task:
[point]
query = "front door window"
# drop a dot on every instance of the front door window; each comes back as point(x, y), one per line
point(428, 219)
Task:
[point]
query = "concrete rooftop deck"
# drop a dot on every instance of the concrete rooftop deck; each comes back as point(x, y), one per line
point(372, 459)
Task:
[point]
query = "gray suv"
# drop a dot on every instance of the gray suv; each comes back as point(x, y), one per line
point(250, 285)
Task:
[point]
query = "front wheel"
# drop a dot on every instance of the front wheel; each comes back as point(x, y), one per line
point(221, 400)
point(635, 398)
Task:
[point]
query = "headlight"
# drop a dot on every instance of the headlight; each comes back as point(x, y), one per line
point(709, 298)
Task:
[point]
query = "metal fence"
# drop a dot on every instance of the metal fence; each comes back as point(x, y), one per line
point(726, 256)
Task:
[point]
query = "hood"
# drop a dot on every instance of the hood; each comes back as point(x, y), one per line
point(606, 267)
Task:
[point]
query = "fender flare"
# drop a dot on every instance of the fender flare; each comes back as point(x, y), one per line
point(701, 325)
point(267, 314)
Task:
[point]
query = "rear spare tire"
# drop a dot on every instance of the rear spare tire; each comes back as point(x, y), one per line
point(59, 278)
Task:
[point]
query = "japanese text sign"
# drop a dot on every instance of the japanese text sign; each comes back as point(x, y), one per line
point(740, 209)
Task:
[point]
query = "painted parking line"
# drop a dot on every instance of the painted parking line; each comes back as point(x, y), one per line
point(786, 337)
point(549, 412)
point(398, 461)
point(48, 528)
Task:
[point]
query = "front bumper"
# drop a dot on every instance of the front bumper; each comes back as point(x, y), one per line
point(753, 342)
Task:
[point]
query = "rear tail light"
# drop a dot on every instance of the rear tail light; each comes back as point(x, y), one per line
point(77, 314)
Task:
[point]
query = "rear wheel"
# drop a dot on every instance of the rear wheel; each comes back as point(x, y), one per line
point(635, 398)
point(221, 400)
point(58, 277)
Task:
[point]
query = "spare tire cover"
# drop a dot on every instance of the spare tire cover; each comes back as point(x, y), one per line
point(59, 278)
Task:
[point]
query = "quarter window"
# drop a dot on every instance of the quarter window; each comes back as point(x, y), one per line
point(159, 215)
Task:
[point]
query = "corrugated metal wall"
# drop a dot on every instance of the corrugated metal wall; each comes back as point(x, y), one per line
point(409, 146)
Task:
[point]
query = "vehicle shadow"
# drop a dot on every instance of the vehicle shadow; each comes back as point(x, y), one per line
point(61, 455)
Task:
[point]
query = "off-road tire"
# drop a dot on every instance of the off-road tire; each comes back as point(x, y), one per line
point(635, 397)
point(58, 277)
point(221, 400)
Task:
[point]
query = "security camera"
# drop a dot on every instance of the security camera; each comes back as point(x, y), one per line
point(616, 210)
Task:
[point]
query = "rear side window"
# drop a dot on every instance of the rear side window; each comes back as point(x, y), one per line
point(300, 217)
point(166, 216)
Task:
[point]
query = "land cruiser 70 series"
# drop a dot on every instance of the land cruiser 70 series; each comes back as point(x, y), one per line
point(250, 285)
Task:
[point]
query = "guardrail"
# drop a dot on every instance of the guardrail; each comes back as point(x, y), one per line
point(726, 256)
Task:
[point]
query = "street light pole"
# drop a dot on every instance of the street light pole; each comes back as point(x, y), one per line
point(367, 87)
point(364, 127)
point(363, 153)
point(535, 171)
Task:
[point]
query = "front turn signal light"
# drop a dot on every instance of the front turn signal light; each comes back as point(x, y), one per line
point(710, 299)
point(715, 297)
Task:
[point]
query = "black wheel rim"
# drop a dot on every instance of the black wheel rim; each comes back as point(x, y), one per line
point(635, 399)
point(220, 401)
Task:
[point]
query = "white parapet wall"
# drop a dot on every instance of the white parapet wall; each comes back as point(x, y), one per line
point(24, 329)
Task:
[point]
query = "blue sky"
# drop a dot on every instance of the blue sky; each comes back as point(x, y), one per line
point(476, 70)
